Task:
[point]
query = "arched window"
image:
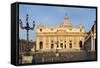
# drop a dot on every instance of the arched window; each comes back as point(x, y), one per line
point(41, 30)
point(61, 45)
point(80, 44)
point(52, 46)
point(57, 46)
point(41, 45)
point(65, 45)
point(70, 45)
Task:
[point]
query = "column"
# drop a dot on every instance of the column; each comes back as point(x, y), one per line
point(49, 43)
point(44, 44)
point(37, 43)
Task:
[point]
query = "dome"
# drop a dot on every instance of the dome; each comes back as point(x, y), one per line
point(66, 22)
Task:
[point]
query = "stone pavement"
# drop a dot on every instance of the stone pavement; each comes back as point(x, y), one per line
point(52, 57)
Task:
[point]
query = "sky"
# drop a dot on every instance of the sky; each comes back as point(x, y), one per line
point(53, 16)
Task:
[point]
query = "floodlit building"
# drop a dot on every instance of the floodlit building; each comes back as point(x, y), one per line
point(64, 37)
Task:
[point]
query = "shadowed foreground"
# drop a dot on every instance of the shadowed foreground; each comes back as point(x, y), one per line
point(52, 57)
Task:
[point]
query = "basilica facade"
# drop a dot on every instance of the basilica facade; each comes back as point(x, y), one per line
point(64, 37)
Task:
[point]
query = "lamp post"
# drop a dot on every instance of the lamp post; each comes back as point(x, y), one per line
point(27, 28)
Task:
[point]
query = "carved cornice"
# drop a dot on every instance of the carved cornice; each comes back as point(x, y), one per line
point(62, 34)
